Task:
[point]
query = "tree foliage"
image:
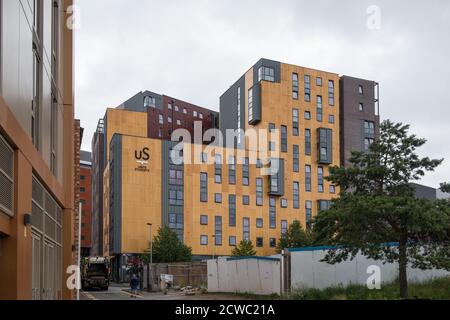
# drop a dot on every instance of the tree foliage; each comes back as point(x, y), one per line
point(295, 237)
point(167, 248)
point(377, 206)
point(244, 249)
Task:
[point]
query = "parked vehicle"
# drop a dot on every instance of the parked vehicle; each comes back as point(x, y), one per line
point(95, 273)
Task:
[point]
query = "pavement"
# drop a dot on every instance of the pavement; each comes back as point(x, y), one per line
point(122, 292)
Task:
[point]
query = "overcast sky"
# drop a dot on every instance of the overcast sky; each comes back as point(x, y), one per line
point(194, 50)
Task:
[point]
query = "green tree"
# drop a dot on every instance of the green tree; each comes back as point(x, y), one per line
point(245, 249)
point(377, 206)
point(295, 237)
point(167, 248)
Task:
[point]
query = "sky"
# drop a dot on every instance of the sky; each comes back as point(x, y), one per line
point(196, 49)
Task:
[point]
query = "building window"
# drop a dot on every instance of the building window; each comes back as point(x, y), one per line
point(295, 86)
point(204, 220)
point(272, 213)
point(161, 119)
point(332, 189)
point(169, 106)
point(367, 143)
point(259, 242)
point(35, 105)
point(203, 187)
point(319, 108)
point(246, 200)
point(320, 179)
point(82, 189)
point(232, 170)
point(266, 73)
point(273, 183)
point(284, 227)
point(149, 102)
point(246, 229)
point(169, 119)
point(258, 163)
point(307, 115)
point(308, 178)
point(259, 223)
point(232, 241)
point(232, 210)
point(218, 198)
point(284, 139)
point(296, 195)
point(54, 134)
point(284, 203)
point(250, 105)
point(259, 191)
point(176, 177)
point(246, 172)
point(331, 119)
point(175, 198)
point(325, 145)
point(204, 157)
point(218, 231)
point(361, 106)
point(308, 206)
point(296, 160)
point(200, 115)
point(179, 122)
point(176, 108)
point(307, 88)
point(272, 144)
point(331, 93)
point(184, 110)
point(203, 240)
point(369, 128)
point(273, 242)
point(195, 114)
point(82, 178)
point(318, 81)
point(218, 168)
point(308, 142)
point(6, 177)
point(361, 89)
point(295, 114)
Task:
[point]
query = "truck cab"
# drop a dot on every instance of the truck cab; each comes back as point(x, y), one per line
point(95, 273)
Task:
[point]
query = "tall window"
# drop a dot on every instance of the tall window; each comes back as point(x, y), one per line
point(271, 143)
point(176, 177)
point(246, 172)
point(308, 178)
point(246, 229)
point(203, 187)
point(239, 113)
point(319, 108)
point(331, 92)
point(35, 104)
point(308, 142)
point(296, 195)
point(296, 160)
point(218, 231)
point(307, 88)
point(367, 143)
point(175, 198)
point(232, 210)
point(284, 227)
point(360, 89)
point(54, 130)
point(308, 206)
point(149, 102)
point(218, 198)
point(272, 213)
point(284, 139)
point(161, 119)
point(250, 105)
point(295, 86)
point(295, 114)
point(6, 177)
point(318, 81)
point(320, 179)
point(259, 191)
point(218, 168)
point(232, 170)
point(266, 73)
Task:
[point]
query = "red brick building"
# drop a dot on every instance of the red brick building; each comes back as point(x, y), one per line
point(85, 192)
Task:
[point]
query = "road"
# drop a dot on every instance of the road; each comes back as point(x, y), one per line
point(118, 292)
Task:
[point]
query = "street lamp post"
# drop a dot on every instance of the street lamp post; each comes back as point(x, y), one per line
point(149, 273)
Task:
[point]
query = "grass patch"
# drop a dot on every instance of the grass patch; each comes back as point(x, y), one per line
point(436, 289)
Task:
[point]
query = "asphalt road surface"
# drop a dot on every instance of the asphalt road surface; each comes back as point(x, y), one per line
point(119, 292)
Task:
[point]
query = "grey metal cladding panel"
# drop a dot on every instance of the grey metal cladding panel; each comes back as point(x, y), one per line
point(330, 145)
point(424, 192)
point(136, 103)
point(257, 103)
point(267, 63)
point(117, 190)
point(228, 107)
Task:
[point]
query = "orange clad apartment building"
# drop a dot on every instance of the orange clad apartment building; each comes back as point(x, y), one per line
point(36, 149)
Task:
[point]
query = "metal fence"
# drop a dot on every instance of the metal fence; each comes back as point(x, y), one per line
point(184, 274)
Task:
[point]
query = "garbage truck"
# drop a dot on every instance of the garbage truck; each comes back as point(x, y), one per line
point(95, 273)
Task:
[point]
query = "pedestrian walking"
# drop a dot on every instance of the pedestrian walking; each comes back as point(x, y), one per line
point(134, 284)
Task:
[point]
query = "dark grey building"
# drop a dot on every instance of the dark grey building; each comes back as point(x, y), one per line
point(359, 115)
